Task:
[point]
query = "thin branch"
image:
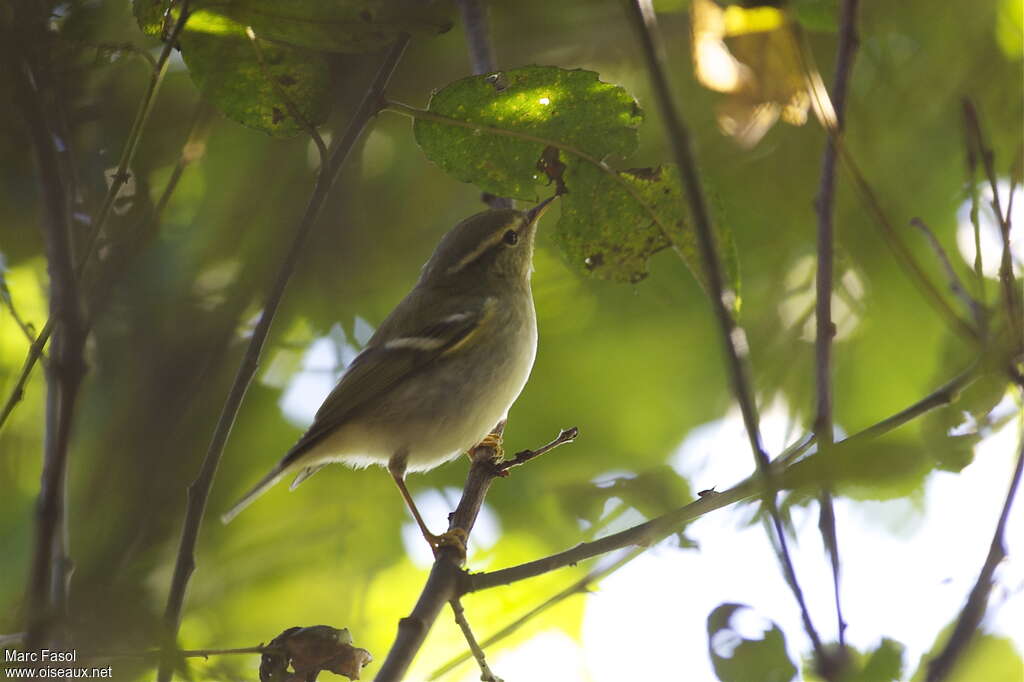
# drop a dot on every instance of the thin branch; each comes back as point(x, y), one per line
point(192, 150)
point(656, 529)
point(520, 458)
point(35, 351)
point(641, 16)
point(444, 582)
point(447, 580)
point(49, 568)
point(955, 285)
point(1015, 314)
point(27, 329)
point(118, 180)
point(581, 586)
point(122, 174)
point(481, 60)
point(970, 618)
point(825, 327)
point(199, 490)
point(972, 188)
point(486, 674)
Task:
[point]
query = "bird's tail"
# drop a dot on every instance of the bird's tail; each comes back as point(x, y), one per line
point(263, 486)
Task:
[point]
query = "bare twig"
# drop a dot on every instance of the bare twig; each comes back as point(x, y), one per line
point(972, 188)
point(967, 624)
point(199, 490)
point(825, 328)
point(520, 458)
point(641, 15)
point(955, 285)
point(1015, 314)
point(50, 567)
point(581, 586)
point(26, 328)
point(486, 674)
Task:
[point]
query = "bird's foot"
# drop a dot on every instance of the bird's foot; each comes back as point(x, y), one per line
point(456, 538)
point(494, 442)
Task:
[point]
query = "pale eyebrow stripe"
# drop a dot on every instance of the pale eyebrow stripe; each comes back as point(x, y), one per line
point(481, 249)
point(416, 343)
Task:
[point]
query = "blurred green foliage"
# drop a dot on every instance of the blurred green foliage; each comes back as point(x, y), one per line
point(635, 366)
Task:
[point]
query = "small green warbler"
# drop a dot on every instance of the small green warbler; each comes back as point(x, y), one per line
point(443, 368)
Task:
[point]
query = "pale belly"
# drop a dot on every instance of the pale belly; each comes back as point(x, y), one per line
point(446, 411)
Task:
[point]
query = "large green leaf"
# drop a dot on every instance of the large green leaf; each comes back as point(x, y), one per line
point(515, 113)
point(611, 223)
point(226, 67)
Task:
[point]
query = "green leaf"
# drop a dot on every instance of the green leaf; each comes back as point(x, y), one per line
point(873, 469)
point(884, 664)
point(350, 26)
point(571, 108)
point(738, 659)
point(987, 657)
point(225, 66)
point(612, 224)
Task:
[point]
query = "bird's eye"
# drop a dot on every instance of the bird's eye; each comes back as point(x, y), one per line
point(511, 238)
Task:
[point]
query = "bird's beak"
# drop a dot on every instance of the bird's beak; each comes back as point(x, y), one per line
point(534, 214)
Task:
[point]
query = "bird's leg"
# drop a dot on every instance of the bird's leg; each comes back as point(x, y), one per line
point(453, 538)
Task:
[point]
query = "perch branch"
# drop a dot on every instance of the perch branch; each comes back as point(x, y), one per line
point(825, 327)
point(199, 490)
point(447, 579)
point(642, 17)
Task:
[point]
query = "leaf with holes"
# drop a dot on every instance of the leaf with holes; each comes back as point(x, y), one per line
point(226, 67)
point(507, 120)
point(613, 222)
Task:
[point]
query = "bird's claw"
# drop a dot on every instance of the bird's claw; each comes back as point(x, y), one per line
point(456, 538)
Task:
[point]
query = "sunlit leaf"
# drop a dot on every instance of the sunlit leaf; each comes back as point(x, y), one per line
point(346, 26)
point(738, 658)
point(987, 657)
point(754, 56)
point(226, 69)
point(570, 107)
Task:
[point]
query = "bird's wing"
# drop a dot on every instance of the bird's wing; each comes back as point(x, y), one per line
point(391, 357)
